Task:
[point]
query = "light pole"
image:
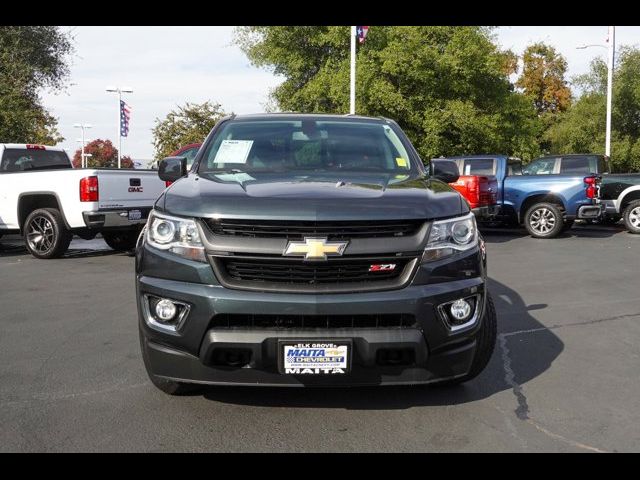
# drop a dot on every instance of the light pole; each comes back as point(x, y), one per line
point(611, 40)
point(119, 91)
point(82, 126)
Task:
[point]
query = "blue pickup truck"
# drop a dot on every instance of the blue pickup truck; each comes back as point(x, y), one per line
point(545, 204)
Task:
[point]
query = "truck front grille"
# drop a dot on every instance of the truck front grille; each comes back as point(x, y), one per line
point(345, 274)
point(297, 271)
point(298, 230)
point(398, 320)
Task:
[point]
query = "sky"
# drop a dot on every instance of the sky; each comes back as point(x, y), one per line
point(168, 66)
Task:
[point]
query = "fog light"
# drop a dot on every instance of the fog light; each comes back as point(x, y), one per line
point(460, 310)
point(165, 310)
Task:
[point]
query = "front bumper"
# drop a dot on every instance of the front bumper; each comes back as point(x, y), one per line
point(186, 355)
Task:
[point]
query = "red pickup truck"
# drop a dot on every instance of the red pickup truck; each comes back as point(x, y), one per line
point(481, 192)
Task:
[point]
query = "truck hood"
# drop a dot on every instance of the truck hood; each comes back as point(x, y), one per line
point(335, 196)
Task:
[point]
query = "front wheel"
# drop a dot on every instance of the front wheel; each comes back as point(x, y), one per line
point(485, 344)
point(544, 220)
point(121, 241)
point(46, 234)
point(632, 217)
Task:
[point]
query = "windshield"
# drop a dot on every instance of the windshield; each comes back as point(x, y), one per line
point(20, 159)
point(309, 145)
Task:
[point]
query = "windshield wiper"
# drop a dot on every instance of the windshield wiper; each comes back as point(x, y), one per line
point(225, 170)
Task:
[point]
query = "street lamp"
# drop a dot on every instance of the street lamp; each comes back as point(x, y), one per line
point(611, 40)
point(119, 91)
point(82, 126)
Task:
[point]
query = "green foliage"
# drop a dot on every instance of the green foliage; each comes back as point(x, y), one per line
point(188, 124)
point(31, 58)
point(447, 87)
point(582, 128)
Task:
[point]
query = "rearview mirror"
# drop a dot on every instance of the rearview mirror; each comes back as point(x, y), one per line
point(445, 170)
point(171, 169)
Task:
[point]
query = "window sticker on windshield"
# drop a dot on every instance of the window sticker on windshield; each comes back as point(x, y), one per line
point(235, 177)
point(467, 169)
point(401, 162)
point(233, 151)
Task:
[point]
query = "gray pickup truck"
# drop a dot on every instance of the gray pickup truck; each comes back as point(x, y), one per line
point(311, 250)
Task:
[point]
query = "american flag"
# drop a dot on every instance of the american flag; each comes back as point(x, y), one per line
point(125, 115)
point(361, 32)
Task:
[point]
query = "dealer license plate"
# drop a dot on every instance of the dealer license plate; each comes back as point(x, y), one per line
point(135, 214)
point(315, 358)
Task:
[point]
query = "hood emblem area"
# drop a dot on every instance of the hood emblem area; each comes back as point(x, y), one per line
point(315, 249)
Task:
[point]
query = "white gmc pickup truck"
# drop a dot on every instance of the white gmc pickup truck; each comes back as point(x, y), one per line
point(47, 200)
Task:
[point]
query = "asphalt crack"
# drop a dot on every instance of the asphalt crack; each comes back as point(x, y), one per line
point(53, 397)
point(522, 411)
point(574, 324)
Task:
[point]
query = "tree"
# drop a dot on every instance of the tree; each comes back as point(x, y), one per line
point(582, 127)
point(31, 58)
point(103, 155)
point(188, 124)
point(543, 79)
point(447, 87)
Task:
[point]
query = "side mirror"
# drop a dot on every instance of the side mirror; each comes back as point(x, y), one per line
point(445, 170)
point(171, 169)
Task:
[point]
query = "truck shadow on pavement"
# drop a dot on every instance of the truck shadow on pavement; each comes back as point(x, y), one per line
point(86, 253)
point(14, 246)
point(505, 234)
point(12, 249)
point(511, 366)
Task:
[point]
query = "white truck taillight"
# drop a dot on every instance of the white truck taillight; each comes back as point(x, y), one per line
point(89, 191)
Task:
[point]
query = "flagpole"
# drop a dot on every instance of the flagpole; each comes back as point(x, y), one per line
point(119, 125)
point(119, 91)
point(352, 108)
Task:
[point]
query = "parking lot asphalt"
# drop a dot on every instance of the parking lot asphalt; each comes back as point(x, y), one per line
point(565, 375)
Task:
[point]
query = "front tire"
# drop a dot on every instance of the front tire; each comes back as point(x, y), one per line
point(121, 241)
point(486, 343)
point(45, 233)
point(544, 220)
point(169, 387)
point(632, 217)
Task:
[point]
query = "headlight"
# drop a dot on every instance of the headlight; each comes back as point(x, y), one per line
point(175, 234)
point(449, 236)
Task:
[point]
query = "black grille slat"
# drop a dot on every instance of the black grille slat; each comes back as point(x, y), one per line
point(299, 272)
point(299, 230)
point(397, 320)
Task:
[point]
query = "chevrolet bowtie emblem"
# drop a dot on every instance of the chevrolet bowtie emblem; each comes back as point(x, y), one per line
point(315, 249)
